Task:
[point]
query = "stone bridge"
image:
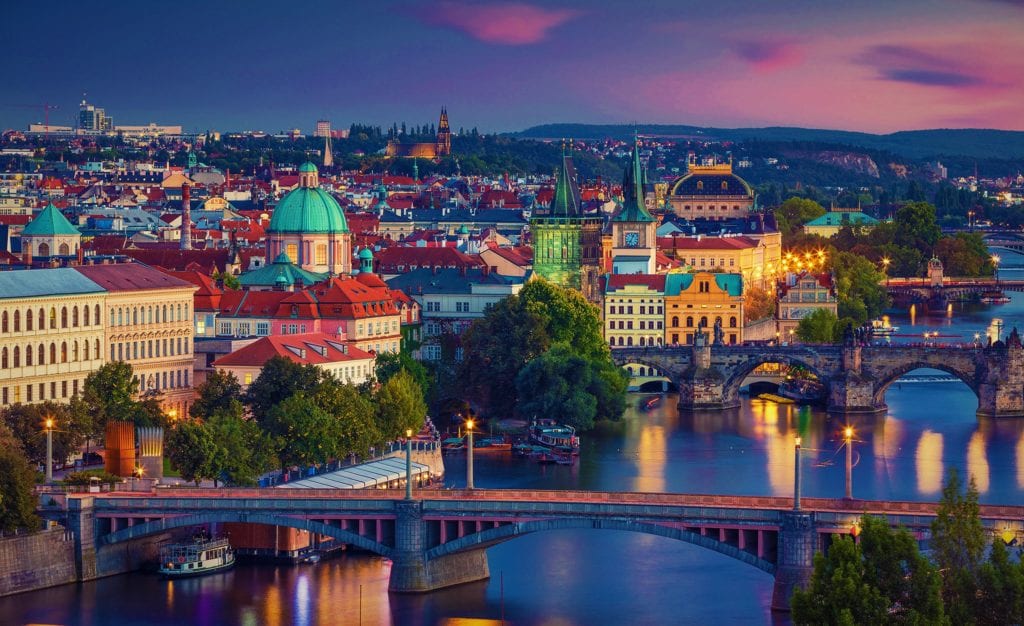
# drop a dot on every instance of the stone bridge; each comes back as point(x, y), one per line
point(856, 377)
point(439, 538)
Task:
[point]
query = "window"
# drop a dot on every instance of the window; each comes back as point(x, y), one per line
point(96, 314)
point(3, 358)
point(17, 320)
point(292, 250)
point(262, 328)
point(74, 316)
point(321, 254)
point(200, 326)
point(248, 378)
point(225, 328)
point(53, 317)
point(432, 353)
point(3, 325)
point(63, 317)
point(689, 322)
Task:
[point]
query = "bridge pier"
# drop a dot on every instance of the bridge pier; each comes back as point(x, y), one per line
point(1001, 387)
point(413, 572)
point(798, 541)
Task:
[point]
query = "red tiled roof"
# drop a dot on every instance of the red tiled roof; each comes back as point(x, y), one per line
point(305, 349)
point(390, 259)
point(130, 277)
point(653, 281)
point(706, 243)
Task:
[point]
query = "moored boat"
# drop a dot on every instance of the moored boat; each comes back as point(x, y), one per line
point(802, 390)
point(882, 327)
point(558, 437)
point(203, 556)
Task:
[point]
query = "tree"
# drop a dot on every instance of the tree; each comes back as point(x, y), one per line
point(758, 304)
point(217, 394)
point(818, 327)
point(390, 363)
point(916, 226)
point(279, 379)
point(567, 316)
point(860, 287)
point(400, 406)
point(17, 486)
point(307, 434)
point(193, 451)
point(229, 280)
point(958, 543)
point(27, 424)
point(355, 414)
point(110, 394)
point(1001, 589)
point(839, 592)
point(245, 451)
point(794, 213)
point(576, 390)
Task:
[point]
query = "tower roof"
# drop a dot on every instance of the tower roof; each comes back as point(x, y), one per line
point(49, 222)
point(307, 167)
point(566, 201)
point(634, 209)
point(309, 210)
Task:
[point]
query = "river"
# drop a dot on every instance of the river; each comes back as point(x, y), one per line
point(577, 577)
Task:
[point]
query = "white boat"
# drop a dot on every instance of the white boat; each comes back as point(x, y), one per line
point(202, 556)
point(882, 327)
point(558, 437)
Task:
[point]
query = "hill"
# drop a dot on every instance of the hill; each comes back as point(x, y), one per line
point(915, 144)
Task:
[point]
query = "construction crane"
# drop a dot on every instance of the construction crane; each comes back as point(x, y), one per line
point(46, 107)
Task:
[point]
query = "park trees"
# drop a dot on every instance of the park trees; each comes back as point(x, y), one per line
point(355, 413)
point(109, 393)
point(279, 379)
point(958, 542)
point(306, 434)
point(818, 327)
point(244, 451)
point(859, 286)
point(27, 424)
point(218, 393)
point(400, 406)
point(794, 213)
point(17, 484)
point(193, 451)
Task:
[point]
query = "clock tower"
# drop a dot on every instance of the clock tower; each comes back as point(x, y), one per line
point(634, 241)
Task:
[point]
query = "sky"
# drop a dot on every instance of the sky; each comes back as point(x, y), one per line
point(867, 65)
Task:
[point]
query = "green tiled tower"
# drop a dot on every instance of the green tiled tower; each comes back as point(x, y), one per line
point(567, 243)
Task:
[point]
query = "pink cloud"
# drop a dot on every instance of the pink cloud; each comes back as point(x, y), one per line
point(508, 23)
point(768, 55)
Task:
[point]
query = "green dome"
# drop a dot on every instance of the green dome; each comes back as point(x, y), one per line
point(307, 167)
point(308, 210)
point(365, 254)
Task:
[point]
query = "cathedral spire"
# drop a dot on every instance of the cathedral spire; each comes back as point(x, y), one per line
point(634, 208)
point(566, 202)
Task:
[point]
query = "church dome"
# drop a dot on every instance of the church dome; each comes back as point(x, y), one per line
point(308, 209)
point(710, 181)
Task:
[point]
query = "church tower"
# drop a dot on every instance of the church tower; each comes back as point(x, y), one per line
point(567, 243)
point(634, 237)
point(444, 135)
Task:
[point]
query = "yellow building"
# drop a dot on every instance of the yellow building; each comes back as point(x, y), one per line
point(703, 299)
point(634, 309)
point(149, 326)
point(799, 295)
point(755, 257)
point(51, 334)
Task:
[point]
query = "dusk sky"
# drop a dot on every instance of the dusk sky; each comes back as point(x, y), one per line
point(876, 66)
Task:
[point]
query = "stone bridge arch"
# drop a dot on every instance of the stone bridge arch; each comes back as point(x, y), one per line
point(493, 536)
point(735, 373)
point(966, 372)
point(199, 519)
point(671, 363)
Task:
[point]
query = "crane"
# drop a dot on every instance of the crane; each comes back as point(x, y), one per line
point(46, 107)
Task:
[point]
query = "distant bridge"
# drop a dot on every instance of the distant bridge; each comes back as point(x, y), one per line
point(439, 538)
point(856, 377)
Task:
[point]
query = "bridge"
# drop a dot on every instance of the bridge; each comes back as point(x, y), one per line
point(1007, 240)
point(937, 294)
point(856, 377)
point(439, 538)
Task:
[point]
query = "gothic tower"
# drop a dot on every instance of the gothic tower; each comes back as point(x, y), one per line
point(444, 135)
point(634, 242)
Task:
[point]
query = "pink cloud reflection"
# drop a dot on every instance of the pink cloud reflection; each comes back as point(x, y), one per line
point(768, 56)
point(509, 23)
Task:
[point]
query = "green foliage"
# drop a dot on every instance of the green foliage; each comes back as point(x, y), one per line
point(964, 254)
point(193, 451)
point(758, 304)
point(818, 327)
point(1001, 589)
point(881, 580)
point(390, 363)
point(217, 394)
point(916, 226)
point(859, 286)
point(244, 451)
point(567, 317)
point(27, 423)
point(958, 543)
point(400, 406)
point(229, 280)
point(794, 213)
point(109, 393)
point(355, 413)
point(17, 486)
point(307, 434)
point(279, 379)
point(88, 477)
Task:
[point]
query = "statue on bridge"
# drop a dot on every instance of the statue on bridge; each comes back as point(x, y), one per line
point(719, 333)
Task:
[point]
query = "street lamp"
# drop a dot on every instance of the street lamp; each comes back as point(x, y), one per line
point(408, 464)
point(977, 339)
point(49, 449)
point(995, 267)
point(776, 337)
point(796, 475)
point(885, 269)
point(469, 457)
point(848, 435)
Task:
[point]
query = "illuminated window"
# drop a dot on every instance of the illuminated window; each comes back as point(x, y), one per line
point(321, 254)
point(292, 250)
point(248, 378)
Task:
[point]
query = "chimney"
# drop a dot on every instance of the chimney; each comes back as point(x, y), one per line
point(227, 180)
point(186, 218)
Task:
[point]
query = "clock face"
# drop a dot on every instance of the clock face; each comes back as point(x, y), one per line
point(632, 239)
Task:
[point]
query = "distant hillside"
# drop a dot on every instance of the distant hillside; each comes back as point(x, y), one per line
point(917, 144)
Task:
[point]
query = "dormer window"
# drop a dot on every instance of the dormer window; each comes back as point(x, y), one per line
point(725, 185)
point(295, 310)
point(700, 185)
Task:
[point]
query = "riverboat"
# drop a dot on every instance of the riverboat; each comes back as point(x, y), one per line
point(558, 437)
point(203, 556)
point(803, 391)
point(882, 327)
point(651, 403)
point(995, 299)
point(771, 397)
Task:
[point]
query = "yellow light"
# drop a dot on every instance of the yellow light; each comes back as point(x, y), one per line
point(848, 432)
point(408, 433)
point(798, 441)
point(139, 471)
point(469, 424)
point(49, 423)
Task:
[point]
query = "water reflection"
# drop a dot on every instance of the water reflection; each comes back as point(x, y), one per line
point(977, 462)
point(928, 463)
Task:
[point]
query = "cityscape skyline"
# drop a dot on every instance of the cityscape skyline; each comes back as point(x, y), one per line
point(505, 66)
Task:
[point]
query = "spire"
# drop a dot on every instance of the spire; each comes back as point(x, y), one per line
point(328, 156)
point(566, 202)
point(634, 208)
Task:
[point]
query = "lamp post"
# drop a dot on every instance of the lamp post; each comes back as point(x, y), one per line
point(848, 434)
point(995, 267)
point(885, 269)
point(796, 475)
point(469, 456)
point(49, 450)
point(408, 464)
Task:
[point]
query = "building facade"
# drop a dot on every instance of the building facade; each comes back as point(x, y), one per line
point(634, 243)
point(700, 301)
point(634, 309)
point(342, 360)
point(711, 191)
point(799, 295)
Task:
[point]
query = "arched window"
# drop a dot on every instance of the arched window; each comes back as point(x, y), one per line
point(44, 249)
point(96, 351)
point(74, 316)
point(700, 185)
point(135, 315)
point(675, 320)
point(53, 353)
point(149, 315)
point(17, 356)
point(53, 317)
point(115, 318)
point(732, 322)
point(63, 317)
point(85, 350)
point(17, 320)
point(3, 358)
point(85, 315)
point(3, 324)
point(64, 250)
point(74, 350)
point(629, 341)
point(689, 321)
point(642, 343)
point(718, 320)
point(28, 355)
point(96, 315)
point(703, 320)
point(63, 352)
point(42, 319)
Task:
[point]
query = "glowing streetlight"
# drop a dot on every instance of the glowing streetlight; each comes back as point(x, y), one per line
point(49, 449)
point(469, 457)
point(885, 269)
point(995, 266)
point(848, 435)
point(408, 464)
point(796, 474)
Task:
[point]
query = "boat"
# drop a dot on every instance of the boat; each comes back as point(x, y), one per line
point(882, 327)
point(492, 444)
point(771, 397)
point(202, 556)
point(558, 437)
point(453, 444)
point(801, 390)
point(995, 298)
point(651, 403)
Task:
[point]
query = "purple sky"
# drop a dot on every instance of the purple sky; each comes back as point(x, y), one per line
point(877, 66)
